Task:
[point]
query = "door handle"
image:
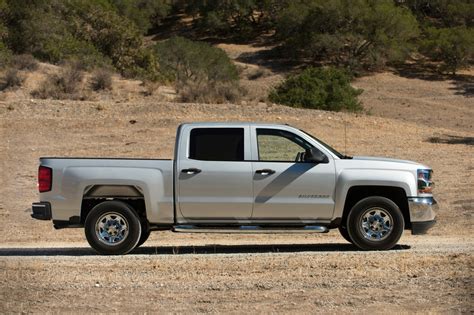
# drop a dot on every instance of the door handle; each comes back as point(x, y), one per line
point(191, 171)
point(265, 171)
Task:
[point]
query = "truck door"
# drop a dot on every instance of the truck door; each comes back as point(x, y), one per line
point(285, 188)
point(214, 174)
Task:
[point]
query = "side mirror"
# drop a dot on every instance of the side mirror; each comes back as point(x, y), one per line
point(313, 155)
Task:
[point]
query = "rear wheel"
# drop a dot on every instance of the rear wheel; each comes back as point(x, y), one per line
point(113, 228)
point(375, 223)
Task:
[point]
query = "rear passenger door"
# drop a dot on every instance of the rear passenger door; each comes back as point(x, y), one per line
point(214, 178)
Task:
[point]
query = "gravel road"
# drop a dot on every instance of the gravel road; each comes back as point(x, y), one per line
point(325, 274)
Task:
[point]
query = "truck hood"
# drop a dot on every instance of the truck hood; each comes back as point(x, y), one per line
point(382, 159)
point(390, 162)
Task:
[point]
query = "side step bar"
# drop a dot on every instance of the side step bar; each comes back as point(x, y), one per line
point(250, 229)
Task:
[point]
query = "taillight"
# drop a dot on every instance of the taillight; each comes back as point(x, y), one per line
point(425, 184)
point(45, 179)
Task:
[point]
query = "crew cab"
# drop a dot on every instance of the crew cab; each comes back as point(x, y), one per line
point(237, 178)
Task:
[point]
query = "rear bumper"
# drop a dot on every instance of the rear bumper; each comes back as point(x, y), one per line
point(41, 211)
point(423, 212)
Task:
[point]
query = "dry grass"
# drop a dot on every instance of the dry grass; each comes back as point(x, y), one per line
point(101, 80)
point(64, 85)
point(217, 93)
point(12, 79)
point(150, 88)
point(25, 62)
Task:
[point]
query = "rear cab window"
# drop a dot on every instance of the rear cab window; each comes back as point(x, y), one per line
point(216, 144)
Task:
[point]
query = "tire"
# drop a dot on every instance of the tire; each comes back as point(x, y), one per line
point(112, 228)
point(145, 234)
point(375, 223)
point(345, 234)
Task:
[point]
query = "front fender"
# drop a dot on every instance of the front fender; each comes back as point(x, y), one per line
point(354, 177)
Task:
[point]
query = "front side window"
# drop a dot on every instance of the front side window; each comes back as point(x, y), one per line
point(280, 145)
point(217, 144)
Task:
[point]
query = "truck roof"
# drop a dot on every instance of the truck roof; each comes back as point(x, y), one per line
point(232, 124)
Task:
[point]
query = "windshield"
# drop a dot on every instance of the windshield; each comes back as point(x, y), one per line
point(327, 146)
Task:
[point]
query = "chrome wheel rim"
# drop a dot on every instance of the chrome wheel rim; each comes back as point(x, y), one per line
point(111, 228)
point(376, 224)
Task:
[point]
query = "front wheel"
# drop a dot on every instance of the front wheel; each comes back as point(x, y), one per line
point(345, 233)
point(375, 223)
point(112, 228)
point(145, 234)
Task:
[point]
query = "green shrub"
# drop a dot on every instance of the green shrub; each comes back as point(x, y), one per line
point(4, 12)
point(198, 69)
point(454, 47)
point(119, 39)
point(5, 55)
point(318, 88)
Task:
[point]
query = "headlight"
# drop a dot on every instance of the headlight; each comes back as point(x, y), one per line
point(425, 184)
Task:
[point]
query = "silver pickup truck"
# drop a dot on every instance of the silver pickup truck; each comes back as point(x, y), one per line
point(237, 178)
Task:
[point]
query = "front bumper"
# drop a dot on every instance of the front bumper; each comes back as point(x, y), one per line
point(422, 214)
point(41, 211)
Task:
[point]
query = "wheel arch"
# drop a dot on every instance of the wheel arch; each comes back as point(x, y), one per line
point(130, 194)
point(394, 193)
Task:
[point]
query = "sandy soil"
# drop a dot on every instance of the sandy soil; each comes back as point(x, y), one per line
point(322, 273)
point(435, 102)
point(44, 270)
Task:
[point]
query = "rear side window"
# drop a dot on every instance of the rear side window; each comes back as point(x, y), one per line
point(217, 144)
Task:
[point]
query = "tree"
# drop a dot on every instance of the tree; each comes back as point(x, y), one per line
point(238, 18)
point(454, 47)
point(350, 33)
point(87, 30)
point(442, 13)
point(144, 13)
point(5, 53)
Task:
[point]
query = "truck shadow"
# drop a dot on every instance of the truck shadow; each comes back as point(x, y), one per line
point(186, 250)
point(281, 181)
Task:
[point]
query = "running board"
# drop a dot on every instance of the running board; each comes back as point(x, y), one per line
point(250, 229)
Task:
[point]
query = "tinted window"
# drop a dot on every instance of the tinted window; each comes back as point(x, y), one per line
point(217, 144)
point(279, 145)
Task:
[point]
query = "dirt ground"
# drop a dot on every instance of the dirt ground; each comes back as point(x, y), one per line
point(317, 274)
point(47, 270)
